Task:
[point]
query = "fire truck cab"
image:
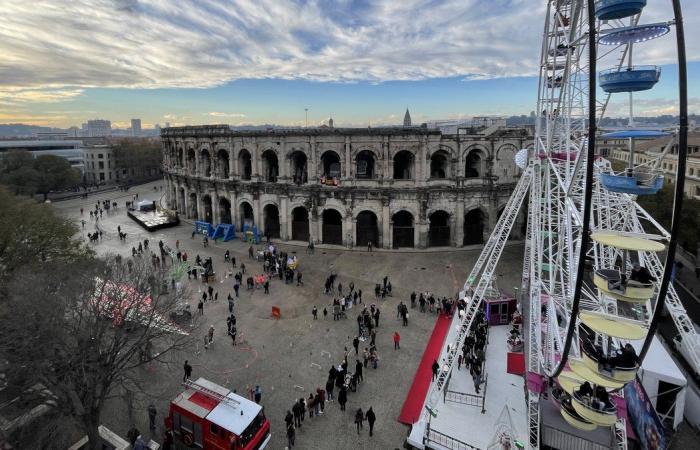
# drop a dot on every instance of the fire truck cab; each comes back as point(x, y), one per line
point(211, 417)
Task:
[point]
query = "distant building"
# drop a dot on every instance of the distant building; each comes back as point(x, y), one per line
point(100, 167)
point(51, 135)
point(136, 127)
point(68, 149)
point(167, 124)
point(407, 119)
point(97, 128)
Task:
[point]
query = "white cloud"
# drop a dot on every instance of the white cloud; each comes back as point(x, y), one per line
point(224, 114)
point(49, 46)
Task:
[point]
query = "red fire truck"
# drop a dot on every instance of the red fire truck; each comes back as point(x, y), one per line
point(211, 417)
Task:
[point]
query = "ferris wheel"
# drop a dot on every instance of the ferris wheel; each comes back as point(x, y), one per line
point(593, 273)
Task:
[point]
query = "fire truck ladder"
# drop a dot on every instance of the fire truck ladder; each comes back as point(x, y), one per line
point(189, 384)
point(487, 260)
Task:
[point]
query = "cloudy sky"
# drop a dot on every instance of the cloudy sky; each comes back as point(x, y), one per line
point(264, 61)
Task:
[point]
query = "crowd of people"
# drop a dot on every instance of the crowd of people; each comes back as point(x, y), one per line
point(473, 354)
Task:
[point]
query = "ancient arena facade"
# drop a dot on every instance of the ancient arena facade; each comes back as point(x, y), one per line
point(395, 187)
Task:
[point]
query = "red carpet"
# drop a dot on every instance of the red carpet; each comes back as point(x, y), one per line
point(411, 410)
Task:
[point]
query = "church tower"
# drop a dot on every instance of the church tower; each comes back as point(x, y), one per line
point(407, 119)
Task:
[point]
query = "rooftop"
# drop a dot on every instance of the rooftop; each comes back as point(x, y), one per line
point(225, 130)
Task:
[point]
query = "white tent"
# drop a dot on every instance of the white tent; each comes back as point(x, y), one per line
point(658, 367)
point(145, 205)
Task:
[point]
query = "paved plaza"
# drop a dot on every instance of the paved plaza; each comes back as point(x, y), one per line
point(289, 357)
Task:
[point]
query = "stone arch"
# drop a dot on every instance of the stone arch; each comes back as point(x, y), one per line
point(403, 229)
point(439, 229)
point(208, 210)
point(332, 226)
point(367, 228)
point(191, 161)
point(475, 223)
point(205, 163)
point(300, 224)
point(271, 220)
point(225, 210)
point(331, 164)
point(505, 162)
point(474, 163)
point(246, 214)
point(366, 164)
point(245, 164)
point(270, 165)
point(298, 167)
point(222, 163)
point(440, 164)
point(404, 165)
point(194, 210)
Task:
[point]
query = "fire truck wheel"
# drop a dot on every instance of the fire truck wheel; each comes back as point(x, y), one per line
point(188, 439)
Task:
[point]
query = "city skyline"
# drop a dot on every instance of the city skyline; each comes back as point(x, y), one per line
point(265, 62)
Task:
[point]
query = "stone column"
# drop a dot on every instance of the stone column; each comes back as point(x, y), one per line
point(453, 229)
point(422, 227)
point(283, 162)
point(312, 165)
point(231, 163)
point(234, 210)
point(424, 175)
point(348, 149)
point(185, 212)
point(353, 230)
point(349, 231)
point(255, 163)
point(459, 236)
point(386, 225)
point(196, 163)
point(385, 158)
point(215, 208)
point(200, 211)
point(285, 224)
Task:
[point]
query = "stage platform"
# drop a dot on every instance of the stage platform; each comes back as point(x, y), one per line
point(153, 220)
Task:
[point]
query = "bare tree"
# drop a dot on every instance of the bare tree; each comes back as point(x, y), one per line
point(82, 329)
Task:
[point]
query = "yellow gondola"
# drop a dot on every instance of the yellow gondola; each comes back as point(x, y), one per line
point(584, 372)
point(614, 326)
point(577, 421)
point(632, 291)
point(617, 374)
point(625, 242)
point(604, 418)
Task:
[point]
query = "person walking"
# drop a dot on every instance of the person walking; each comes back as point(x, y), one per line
point(435, 368)
point(342, 397)
point(299, 282)
point(330, 385)
point(291, 435)
point(297, 414)
point(258, 393)
point(359, 418)
point(152, 416)
point(200, 307)
point(369, 246)
point(233, 332)
point(397, 340)
point(230, 301)
point(321, 399)
point(365, 357)
point(267, 286)
point(314, 312)
point(358, 370)
point(211, 334)
point(376, 317)
point(356, 344)
point(371, 418)
point(188, 371)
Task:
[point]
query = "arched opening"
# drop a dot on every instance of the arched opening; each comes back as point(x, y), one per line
point(403, 229)
point(191, 162)
point(181, 202)
point(271, 220)
point(245, 166)
point(506, 163)
point(439, 229)
point(224, 210)
point(367, 229)
point(332, 227)
point(300, 224)
point(222, 164)
point(403, 165)
point(270, 166)
point(206, 163)
point(472, 167)
point(330, 165)
point(474, 225)
point(180, 157)
point(206, 204)
point(245, 212)
point(364, 165)
point(439, 165)
point(299, 172)
point(193, 213)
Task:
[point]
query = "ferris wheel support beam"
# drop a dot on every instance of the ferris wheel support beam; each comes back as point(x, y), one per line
point(588, 191)
point(680, 177)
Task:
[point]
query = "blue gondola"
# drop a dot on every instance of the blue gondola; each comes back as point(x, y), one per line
point(631, 79)
point(618, 9)
point(634, 134)
point(636, 184)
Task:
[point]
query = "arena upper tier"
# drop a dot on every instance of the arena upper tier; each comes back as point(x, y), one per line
point(395, 187)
